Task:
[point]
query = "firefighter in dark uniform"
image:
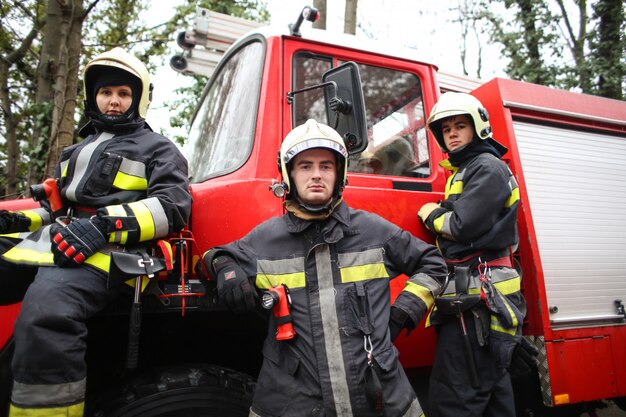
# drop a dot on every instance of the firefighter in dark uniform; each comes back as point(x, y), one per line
point(122, 185)
point(479, 315)
point(336, 263)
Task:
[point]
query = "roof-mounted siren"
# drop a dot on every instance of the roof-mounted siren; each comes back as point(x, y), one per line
point(308, 13)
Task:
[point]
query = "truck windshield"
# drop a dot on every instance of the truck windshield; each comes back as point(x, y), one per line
point(222, 133)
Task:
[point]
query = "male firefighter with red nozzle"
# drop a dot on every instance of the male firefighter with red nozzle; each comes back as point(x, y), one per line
point(336, 263)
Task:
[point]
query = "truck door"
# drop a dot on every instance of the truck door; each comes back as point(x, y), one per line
point(398, 171)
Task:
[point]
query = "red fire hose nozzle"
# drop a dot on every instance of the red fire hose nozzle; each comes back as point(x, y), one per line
point(279, 300)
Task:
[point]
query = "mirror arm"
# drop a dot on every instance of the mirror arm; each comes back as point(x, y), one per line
point(291, 94)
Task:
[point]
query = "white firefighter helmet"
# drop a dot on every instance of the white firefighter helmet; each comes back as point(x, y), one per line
point(453, 104)
point(119, 59)
point(308, 136)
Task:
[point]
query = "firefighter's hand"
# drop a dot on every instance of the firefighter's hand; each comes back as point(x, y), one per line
point(426, 210)
point(73, 244)
point(12, 222)
point(398, 320)
point(234, 289)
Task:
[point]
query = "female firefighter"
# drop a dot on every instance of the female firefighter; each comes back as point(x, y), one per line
point(476, 228)
point(336, 263)
point(122, 185)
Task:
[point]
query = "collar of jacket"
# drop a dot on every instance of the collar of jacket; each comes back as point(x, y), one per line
point(340, 214)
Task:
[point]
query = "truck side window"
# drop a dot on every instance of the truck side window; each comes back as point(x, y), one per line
point(308, 70)
point(222, 133)
point(398, 143)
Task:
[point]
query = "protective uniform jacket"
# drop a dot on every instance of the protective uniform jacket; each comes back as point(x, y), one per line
point(138, 174)
point(140, 178)
point(338, 272)
point(479, 213)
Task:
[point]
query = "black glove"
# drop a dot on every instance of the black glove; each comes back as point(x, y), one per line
point(234, 289)
point(80, 239)
point(524, 360)
point(398, 320)
point(11, 222)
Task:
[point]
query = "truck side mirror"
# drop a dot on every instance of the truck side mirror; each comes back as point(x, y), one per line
point(345, 107)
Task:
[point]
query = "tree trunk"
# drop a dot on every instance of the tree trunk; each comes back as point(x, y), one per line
point(13, 152)
point(531, 38)
point(68, 16)
point(350, 17)
point(44, 94)
point(320, 5)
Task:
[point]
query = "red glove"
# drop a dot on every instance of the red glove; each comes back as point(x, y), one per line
point(76, 242)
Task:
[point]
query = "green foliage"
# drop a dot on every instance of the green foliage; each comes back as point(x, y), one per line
point(607, 44)
point(561, 44)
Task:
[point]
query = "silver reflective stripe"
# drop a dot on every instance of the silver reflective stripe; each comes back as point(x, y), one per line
point(367, 257)
point(330, 325)
point(40, 394)
point(44, 214)
point(427, 282)
point(415, 410)
point(134, 168)
point(497, 275)
point(161, 224)
point(280, 266)
point(82, 163)
point(445, 228)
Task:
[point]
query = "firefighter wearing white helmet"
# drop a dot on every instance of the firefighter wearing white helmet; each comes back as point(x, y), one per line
point(476, 228)
point(454, 104)
point(122, 185)
point(312, 135)
point(336, 263)
point(117, 67)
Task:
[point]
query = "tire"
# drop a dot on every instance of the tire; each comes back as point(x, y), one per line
point(182, 391)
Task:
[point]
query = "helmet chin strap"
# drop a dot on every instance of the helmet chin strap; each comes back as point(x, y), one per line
point(315, 209)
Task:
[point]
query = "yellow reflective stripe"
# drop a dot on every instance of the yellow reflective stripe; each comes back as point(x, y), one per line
point(293, 280)
point(29, 256)
point(144, 219)
point(456, 188)
point(125, 181)
point(514, 198)
point(448, 185)
point(363, 272)
point(144, 282)
point(117, 236)
point(99, 260)
point(75, 410)
point(35, 219)
point(510, 286)
point(420, 292)
point(497, 327)
point(64, 166)
point(438, 222)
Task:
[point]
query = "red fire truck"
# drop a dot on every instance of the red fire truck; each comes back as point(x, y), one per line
point(565, 150)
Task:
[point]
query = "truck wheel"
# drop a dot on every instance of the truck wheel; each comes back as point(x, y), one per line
point(190, 391)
